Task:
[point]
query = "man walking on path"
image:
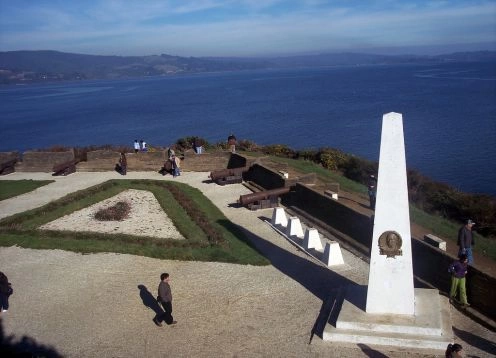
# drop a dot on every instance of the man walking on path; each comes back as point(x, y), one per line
point(466, 241)
point(458, 272)
point(165, 299)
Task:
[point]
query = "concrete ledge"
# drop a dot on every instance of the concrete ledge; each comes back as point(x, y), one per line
point(332, 194)
point(435, 241)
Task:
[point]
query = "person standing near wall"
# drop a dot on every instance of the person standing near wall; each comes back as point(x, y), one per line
point(123, 164)
point(372, 190)
point(231, 142)
point(136, 146)
point(466, 241)
point(165, 299)
point(458, 270)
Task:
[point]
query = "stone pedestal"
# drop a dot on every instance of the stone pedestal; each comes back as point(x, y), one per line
point(279, 217)
point(294, 227)
point(428, 328)
point(312, 240)
point(332, 254)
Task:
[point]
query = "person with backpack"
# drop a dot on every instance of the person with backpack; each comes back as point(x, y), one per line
point(458, 270)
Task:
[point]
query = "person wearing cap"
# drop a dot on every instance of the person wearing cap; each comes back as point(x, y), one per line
point(372, 190)
point(466, 241)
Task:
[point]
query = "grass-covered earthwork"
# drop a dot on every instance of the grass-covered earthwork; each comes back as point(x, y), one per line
point(210, 236)
point(11, 188)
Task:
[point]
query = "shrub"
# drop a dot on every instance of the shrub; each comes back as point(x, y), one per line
point(117, 212)
point(280, 150)
point(331, 159)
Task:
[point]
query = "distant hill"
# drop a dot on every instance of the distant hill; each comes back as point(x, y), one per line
point(36, 66)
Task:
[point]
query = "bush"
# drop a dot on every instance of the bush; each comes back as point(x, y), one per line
point(280, 150)
point(117, 212)
point(331, 159)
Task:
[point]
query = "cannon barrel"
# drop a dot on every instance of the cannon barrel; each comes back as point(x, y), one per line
point(223, 173)
point(261, 195)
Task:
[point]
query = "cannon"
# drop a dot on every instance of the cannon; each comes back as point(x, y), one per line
point(263, 199)
point(8, 166)
point(65, 168)
point(228, 176)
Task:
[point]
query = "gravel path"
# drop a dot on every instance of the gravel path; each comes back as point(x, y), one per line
point(103, 304)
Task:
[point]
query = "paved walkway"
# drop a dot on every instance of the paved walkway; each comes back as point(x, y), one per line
point(103, 304)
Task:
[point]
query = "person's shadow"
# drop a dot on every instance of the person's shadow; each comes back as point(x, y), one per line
point(149, 301)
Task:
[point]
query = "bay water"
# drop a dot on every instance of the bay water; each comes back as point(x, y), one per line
point(449, 113)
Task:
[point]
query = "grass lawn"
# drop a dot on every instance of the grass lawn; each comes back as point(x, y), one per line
point(230, 244)
point(11, 188)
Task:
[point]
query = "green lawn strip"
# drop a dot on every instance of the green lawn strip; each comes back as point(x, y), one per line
point(11, 188)
point(21, 229)
point(235, 237)
point(325, 175)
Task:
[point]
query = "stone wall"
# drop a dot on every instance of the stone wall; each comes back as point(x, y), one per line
point(206, 162)
point(333, 213)
point(99, 161)
point(42, 161)
point(5, 156)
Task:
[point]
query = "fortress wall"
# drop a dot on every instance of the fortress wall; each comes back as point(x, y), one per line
point(42, 161)
point(333, 213)
point(206, 162)
point(265, 177)
point(99, 161)
point(239, 161)
point(5, 156)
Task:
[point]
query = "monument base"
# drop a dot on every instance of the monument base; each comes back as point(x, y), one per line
point(429, 328)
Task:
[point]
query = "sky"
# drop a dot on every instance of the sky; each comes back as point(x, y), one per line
point(247, 28)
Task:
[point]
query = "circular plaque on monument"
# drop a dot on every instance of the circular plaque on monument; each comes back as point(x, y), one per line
point(390, 244)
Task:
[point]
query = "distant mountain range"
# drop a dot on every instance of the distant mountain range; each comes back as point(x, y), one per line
point(41, 66)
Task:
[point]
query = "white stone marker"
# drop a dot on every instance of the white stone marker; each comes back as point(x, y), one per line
point(279, 217)
point(312, 240)
point(332, 254)
point(294, 227)
point(390, 289)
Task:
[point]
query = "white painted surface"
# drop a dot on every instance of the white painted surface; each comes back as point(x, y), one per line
point(294, 227)
point(332, 254)
point(390, 288)
point(279, 217)
point(312, 240)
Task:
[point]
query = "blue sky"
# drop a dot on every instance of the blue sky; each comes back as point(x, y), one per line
point(246, 27)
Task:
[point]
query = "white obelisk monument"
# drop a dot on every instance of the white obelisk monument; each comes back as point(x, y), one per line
point(390, 288)
point(390, 311)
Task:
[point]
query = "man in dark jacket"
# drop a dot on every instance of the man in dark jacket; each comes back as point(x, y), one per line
point(165, 299)
point(466, 241)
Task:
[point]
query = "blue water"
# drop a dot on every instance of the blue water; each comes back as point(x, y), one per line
point(449, 113)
